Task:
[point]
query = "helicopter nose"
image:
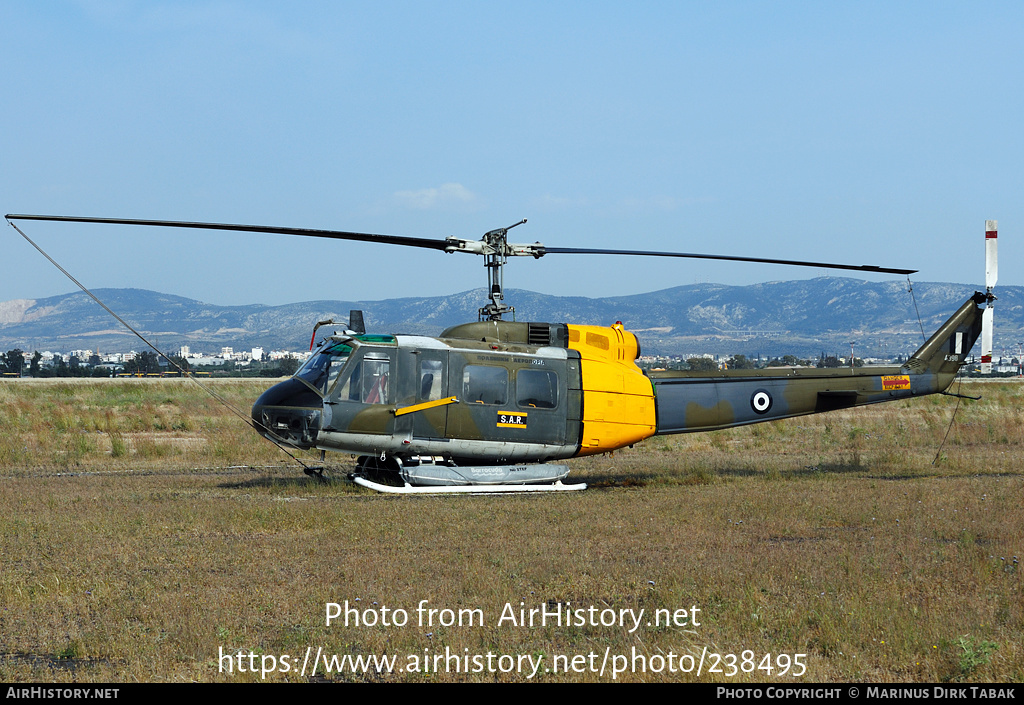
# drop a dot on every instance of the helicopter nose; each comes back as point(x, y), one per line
point(289, 412)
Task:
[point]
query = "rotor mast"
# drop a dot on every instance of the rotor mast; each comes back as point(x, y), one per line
point(495, 263)
point(495, 248)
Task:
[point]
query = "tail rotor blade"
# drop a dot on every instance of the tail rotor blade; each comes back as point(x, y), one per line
point(986, 340)
point(991, 259)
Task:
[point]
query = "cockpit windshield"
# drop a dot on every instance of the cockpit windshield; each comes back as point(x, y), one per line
point(320, 370)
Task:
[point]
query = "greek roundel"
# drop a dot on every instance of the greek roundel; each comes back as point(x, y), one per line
point(761, 401)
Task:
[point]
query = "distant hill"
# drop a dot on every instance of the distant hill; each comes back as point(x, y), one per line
point(802, 318)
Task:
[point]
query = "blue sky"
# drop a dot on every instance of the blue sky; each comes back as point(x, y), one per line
point(867, 133)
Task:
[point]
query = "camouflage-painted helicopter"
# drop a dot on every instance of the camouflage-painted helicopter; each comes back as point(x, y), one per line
point(493, 405)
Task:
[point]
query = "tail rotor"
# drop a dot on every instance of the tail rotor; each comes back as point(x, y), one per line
point(991, 274)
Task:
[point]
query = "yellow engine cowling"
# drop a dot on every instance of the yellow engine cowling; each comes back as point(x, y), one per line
point(618, 399)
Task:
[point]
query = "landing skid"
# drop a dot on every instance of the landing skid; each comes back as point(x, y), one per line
point(465, 489)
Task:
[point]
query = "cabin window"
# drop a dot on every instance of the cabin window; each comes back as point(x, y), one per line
point(431, 378)
point(484, 385)
point(537, 389)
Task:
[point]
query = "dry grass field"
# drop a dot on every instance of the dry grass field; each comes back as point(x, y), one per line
point(146, 534)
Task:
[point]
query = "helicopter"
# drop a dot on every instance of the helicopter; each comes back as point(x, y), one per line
point(496, 405)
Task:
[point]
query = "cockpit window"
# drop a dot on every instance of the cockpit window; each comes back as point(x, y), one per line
point(367, 380)
point(322, 369)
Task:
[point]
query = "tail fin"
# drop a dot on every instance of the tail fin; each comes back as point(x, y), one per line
point(946, 351)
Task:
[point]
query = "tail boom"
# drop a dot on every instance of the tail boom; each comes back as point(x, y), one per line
point(699, 401)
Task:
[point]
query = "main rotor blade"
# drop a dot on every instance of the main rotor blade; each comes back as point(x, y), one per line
point(308, 232)
point(435, 244)
point(728, 258)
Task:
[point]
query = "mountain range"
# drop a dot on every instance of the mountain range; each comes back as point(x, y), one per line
point(804, 318)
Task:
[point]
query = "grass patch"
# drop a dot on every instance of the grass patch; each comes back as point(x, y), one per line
point(145, 561)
